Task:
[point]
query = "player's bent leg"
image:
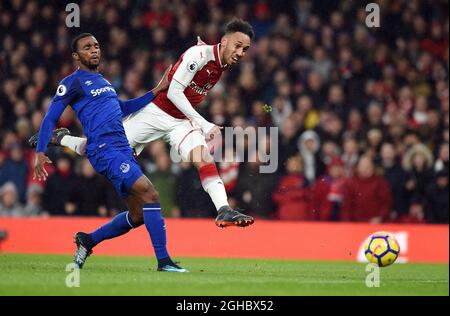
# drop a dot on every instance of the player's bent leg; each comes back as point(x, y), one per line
point(209, 176)
point(144, 203)
point(118, 226)
point(62, 137)
point(122, 170)
point(57, 135)
point(121, 224)
point(134, 204)
point(213, 185)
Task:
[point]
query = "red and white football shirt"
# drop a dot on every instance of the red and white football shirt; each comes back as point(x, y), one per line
point(198, 69)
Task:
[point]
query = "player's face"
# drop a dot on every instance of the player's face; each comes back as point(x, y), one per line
point(235, 46)
point(88, 52)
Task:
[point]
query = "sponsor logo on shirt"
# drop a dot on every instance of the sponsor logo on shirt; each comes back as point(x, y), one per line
point(200, 90)
point(97, 92)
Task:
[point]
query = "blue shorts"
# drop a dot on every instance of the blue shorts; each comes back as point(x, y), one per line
point(119, 166)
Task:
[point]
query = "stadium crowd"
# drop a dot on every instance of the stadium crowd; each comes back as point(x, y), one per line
point(363, 113)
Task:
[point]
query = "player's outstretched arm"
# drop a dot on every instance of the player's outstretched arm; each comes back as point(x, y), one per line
point(133, 105)
point(68, 90)
point(45, 133)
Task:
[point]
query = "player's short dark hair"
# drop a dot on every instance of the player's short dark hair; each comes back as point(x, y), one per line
point(239, 25)
point(74, 44)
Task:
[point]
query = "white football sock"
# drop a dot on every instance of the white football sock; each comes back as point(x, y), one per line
point(77, 144)
point(216, 190)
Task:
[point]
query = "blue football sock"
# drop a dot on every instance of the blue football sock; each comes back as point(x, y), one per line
point(154, 223)
point(118, 226)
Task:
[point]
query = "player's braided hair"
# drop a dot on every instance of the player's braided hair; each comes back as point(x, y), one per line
point(74, 44)
point(239, 25)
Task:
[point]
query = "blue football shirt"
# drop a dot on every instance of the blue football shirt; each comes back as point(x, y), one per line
point(97, 106)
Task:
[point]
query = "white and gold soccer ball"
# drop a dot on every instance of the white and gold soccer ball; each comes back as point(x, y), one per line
point(382, 248)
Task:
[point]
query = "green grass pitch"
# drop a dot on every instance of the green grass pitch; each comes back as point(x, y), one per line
point(103, 275)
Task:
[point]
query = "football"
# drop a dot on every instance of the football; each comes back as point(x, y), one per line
point(382, 248)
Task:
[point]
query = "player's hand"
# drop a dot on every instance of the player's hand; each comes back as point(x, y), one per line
point(39, 172)
point(200, 41)
point(214, 133)
point(163, 84)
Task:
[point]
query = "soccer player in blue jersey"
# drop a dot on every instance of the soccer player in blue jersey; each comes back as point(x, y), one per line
point(100, 111)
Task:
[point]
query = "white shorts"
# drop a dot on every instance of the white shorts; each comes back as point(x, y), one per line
point(152, 123)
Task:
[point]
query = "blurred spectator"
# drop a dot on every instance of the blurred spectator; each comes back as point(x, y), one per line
point(355, 128)
point(15, 169)
point(436, 199)
point(58, 187)
point(418, 162)
point(396, 177)
point(374, 141)
point(330, 127)
point(367, 196)
point(254, 199)
point(91, 194)
point(164, 180)
point(336, 101)
point(309, 147)
point(375, 115)
point(34, 201)
point(305, 113)
point(192, 200)
point(328, 192)
point(442, 159)
point(292, 194)
point(9, 202)
point(330, 150)
point(287, 144)
point(281, 110)
point(322, 63)
point(350, 156)
point(316, 89)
